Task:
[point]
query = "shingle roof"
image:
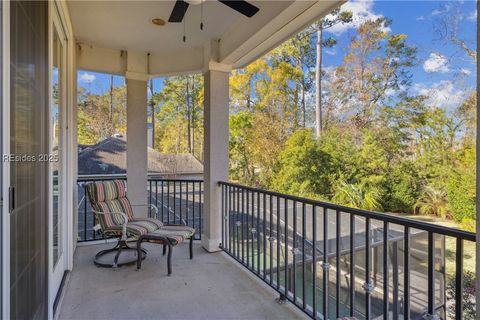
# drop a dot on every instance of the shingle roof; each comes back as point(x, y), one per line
point(109, 157)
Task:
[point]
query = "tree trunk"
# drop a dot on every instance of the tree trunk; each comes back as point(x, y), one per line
point(110, 113)
point(304, 111)
point(152, 108)
point(318, 82)
point(193, 116)
point(189, 125)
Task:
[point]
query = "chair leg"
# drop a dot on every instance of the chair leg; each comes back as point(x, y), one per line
point(115, 260)
point(169, 260)
point(139, 253)
point(164, 249)
point(191, 247)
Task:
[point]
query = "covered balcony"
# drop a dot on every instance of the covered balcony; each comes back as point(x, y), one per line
point(258, 254)
point(275, 248)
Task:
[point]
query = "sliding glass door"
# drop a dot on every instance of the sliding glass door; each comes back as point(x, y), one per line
point(28, 176)
point(56, 156)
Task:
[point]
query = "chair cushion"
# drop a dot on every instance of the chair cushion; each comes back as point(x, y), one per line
point(134, 230)
point(108, 197)
point(176, 234)
point(150, 224)
point(101, 191)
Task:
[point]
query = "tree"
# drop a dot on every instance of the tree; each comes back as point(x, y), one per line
point(101, 116)
point(357, 196)
point(447, 27)
point(241, 166)
point(432, 202)
point(178, 123)
point(335, 17)
point(303, 168)
point(377, 64)
point(152, 111)
point(297, 51)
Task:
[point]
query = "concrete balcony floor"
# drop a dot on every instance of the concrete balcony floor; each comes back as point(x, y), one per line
point(211, 286)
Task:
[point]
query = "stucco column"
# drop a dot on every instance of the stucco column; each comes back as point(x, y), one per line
point(216, 102)
point(137, 174)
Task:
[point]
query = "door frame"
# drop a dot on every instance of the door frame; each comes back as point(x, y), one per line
point(56, 23)
point(5, 223)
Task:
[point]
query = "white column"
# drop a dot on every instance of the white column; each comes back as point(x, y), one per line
point(216, 102)
point(137, 174)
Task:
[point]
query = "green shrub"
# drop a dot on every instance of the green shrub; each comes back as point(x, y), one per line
point(303, 169)
point(402, 188)
point(461, 196)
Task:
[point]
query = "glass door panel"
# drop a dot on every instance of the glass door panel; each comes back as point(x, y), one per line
point(56, 155)
point(57, 147)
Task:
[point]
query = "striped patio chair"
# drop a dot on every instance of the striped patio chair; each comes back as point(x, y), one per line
point(115, 218)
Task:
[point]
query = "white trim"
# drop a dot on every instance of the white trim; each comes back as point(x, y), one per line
point(57, 23)
point(71, 127)
point(71, 148)
point(6, 166)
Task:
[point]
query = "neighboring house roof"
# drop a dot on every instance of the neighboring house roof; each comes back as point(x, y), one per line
point(110, 157)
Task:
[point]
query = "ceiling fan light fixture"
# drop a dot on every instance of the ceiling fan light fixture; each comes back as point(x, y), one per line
point(194, 2)
point(158, 22)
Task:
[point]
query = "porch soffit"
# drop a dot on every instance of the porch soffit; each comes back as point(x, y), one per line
point(108, 32)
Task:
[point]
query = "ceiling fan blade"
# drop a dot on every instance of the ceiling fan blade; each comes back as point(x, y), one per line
point(178, 11)
point(242, 6)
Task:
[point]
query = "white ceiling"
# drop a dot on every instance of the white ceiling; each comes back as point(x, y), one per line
point(126, 25)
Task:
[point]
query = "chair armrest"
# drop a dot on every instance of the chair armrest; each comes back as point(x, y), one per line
point(155, 209)
point(124, 224)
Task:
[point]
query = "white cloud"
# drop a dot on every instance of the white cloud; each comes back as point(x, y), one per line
point(392, 92)
point(465, 71)
point(329, 75)
point(362, 11)
point(472, 16)
point(442, 10)
point(86, 77)
point(436, 63)
point(421, 18)
point(331, 52)
point(442, 94)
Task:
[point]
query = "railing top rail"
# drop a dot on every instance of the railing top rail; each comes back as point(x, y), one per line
point(153, 178)
point(99, 177)
point(95, 177)
point(447, 231)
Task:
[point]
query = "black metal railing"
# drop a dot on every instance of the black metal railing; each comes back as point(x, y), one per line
point(337, 261)
point(177, 200)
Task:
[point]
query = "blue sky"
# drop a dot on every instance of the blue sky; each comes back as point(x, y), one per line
point(443, 72)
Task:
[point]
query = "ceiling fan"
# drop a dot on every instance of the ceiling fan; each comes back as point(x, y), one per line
point(241, 6)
